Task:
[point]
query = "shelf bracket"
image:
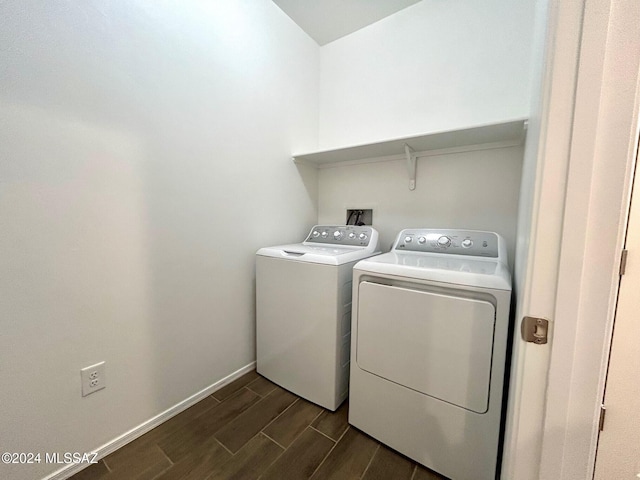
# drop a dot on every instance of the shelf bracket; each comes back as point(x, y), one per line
point(411, 166)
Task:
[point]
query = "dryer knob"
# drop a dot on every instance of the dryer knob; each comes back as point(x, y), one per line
point(362, 236)
point(408, 239)
point(315, 234)
point(422, 240)
point(325, 234)
point(352, 235)
point(467, 242)
point(337, 235)
point(444, 241)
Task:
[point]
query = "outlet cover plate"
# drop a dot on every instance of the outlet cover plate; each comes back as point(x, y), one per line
point(93, 378)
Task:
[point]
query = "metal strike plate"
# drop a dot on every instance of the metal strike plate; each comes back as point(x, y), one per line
point(534, 330)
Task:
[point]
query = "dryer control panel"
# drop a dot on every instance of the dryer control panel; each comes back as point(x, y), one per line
point(452, 242)
point(346, 235)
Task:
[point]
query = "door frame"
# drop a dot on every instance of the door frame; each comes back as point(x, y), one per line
point(603, 152)
point(602, 148)
point(586, 144)
point(539, 233)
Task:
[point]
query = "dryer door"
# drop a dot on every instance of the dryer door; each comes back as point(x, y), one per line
point(436, 344)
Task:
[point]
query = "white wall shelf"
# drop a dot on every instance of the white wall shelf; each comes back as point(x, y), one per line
point(479, 137)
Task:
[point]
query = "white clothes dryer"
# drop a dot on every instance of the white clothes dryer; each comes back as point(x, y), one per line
point(303, 311)
point(429, 338)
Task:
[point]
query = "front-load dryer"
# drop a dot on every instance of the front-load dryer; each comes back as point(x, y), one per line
point(429, 339)
point(303, 311)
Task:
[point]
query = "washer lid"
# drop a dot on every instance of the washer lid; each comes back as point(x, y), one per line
point(319, 253)
point(456, 269)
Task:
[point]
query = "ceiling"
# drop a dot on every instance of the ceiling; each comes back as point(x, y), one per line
point(328, 20)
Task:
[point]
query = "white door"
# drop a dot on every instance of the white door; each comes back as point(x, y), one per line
point(619, 443)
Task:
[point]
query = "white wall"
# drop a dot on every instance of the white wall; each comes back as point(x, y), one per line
point(433, 66)
point(472, 190)
point(436, 65)
point(144, 156)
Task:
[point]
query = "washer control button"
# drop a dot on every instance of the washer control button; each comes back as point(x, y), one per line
point(408, 239)
point(352, 235)
point(444, 241)
point(362, 236)
point(337, 235)
point(467, 242)
point(325, 234)
point(315, 234)
point(422, 240)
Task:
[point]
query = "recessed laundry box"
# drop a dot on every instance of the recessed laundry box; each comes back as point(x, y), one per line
point(430, 325)
point(303, 307)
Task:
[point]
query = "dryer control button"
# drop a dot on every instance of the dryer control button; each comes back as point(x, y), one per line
point(362, 236)
point(352, 235)
point(337, 235)
point(467, 242)
point(315, 234)
point(444, 241)
point(408, 239)
point(325, 234)
point(422, 240)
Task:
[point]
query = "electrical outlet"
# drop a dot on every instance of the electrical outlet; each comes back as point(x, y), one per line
point(93, 378)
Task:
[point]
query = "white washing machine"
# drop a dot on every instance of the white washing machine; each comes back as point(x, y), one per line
point(429, 339)
point(303, 307)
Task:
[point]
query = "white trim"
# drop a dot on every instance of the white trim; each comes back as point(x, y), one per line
point(116, 443)
point(604, 138)
point(539, 234)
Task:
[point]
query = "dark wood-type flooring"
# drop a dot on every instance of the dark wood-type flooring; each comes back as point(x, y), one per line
point(254, 429)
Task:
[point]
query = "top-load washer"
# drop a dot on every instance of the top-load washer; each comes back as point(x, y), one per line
point(429, 340)
point(303, 311)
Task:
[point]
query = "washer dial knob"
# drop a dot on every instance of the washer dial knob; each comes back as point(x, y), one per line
point(337, 235)
point(422, 240)
point(315, 234)
point(325, 234)
point(352, 235)
point(467, 242)
point(444, 241)
point(362, 236)
point(408, 239)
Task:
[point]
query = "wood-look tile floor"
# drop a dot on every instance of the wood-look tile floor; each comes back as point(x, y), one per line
point(253, 429)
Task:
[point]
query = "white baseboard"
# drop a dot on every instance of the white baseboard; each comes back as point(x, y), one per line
point(109, 447)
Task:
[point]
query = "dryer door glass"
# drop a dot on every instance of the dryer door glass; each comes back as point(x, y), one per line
point(436, 344)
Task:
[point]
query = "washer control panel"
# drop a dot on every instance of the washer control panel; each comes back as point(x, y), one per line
point(452, 242)
point(348, 235)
